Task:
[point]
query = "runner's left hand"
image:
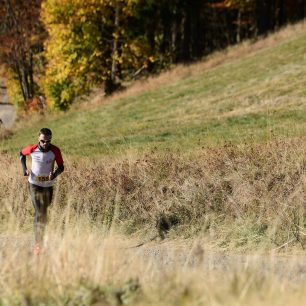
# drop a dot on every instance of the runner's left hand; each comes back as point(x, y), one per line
point(51, 176)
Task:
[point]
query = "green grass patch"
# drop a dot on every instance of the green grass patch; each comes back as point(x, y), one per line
point(252, 98)
point(93, 137)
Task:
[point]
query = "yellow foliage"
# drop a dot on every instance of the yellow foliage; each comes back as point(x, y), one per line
point(78, 51)
point(13, 90)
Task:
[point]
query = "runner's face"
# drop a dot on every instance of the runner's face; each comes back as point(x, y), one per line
point(44, 141)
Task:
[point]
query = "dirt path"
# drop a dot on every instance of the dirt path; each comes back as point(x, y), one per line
point(290, 268)
point(170, 256)
point(7, 110)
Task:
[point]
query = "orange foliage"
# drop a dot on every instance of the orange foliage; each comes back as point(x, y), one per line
point(221, 5)
point(37, 104)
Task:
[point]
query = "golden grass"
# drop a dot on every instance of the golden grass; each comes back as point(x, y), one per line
point(246, 197)
point(81, 267)
point(212, 191)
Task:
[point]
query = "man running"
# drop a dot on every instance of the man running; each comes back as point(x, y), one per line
point(41, 179)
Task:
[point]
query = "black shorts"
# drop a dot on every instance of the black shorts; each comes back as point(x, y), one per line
point(41, 196)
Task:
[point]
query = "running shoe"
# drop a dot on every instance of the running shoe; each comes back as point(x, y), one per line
point(37, 250)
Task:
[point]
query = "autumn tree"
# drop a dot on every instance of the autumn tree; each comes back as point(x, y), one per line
point(21, 35)
point(89, 43)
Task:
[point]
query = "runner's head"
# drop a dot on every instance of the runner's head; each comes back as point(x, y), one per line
point(44, 138)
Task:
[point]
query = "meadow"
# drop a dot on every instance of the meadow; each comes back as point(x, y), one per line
point(203, 161)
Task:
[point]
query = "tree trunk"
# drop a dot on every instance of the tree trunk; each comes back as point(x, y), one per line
point(31, 75)
point(186, 37)
point(111, 84)
point(282, 14)
point(263, 17)
point(115, 44)
point(301, 9)
point(21, 82)
point(238, 33)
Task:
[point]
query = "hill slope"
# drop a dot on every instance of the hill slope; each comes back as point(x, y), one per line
point(250, 92)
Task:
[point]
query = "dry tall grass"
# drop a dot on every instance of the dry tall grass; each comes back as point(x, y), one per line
point(81, 268)
point(244, 197)
point(260, 187)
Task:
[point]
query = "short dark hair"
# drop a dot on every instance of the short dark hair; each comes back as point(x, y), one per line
point(45, 131)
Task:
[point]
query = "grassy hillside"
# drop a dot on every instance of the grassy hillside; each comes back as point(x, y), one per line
point(255, 91)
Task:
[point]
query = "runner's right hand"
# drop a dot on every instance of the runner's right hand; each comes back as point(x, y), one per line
point(27, 173)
